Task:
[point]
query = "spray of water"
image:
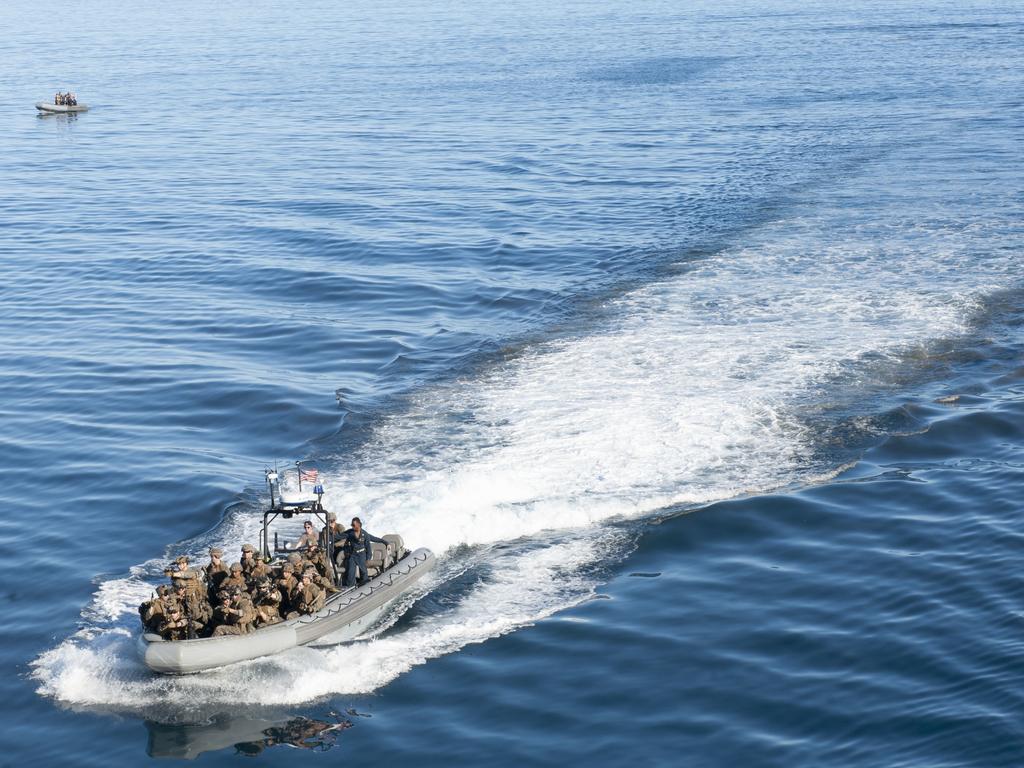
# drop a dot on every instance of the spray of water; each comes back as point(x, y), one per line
point(681, 392)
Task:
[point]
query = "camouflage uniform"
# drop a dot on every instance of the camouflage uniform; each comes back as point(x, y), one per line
point(236, 580)
point(194, 606)
point(193, 578)
point(237, 618)
point(325, 584)
point(316, 557)
point(152, 611)
point(221, 610)
point(316, 561)
point(267, 602)
point(339, 536)
point(299, 565)
point(176, 626)
point(309, 598)
point(253, 568)
point(287, 585)
point(216, 572)
point(261, 570)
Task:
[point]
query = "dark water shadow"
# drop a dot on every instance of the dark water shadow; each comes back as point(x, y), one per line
point(60, 118)
point(657, 70)
point(247, 735)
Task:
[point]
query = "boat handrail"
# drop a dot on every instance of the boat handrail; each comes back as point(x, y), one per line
point(375, 584)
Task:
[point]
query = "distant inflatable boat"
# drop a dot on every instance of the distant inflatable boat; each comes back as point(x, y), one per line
point(43, 106)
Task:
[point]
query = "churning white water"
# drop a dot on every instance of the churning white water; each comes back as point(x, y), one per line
point(687, 390)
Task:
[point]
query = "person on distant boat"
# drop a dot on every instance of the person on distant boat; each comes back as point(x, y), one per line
point(357, 544)
point(72, 101)
point(56, 98)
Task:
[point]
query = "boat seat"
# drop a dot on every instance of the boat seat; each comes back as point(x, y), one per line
point(396, 547)
point(378, 559)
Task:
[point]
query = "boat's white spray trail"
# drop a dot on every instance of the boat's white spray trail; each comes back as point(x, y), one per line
point(688, 390)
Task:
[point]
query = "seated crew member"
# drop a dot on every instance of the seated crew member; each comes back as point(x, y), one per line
point(172, 624)
point(192, 578)
point(333, 529)
point(168, 601)
point(235, 578)
point(288, 586)
point(221, 610)
point(193, 606)
point(310, 598)
point(267, 602)
point(146, 609)
point(316, 559)
point(216, 571)
point(152, 611)
point(297, 563)
point(253, 568)
point(176, 626)
point(308, 537)
point(357, 544)
point(235, 615)
point(262, 568)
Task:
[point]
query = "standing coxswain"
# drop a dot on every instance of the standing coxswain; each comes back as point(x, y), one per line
point(357, 542)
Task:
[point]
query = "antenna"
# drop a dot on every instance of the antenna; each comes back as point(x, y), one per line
point(271, 479)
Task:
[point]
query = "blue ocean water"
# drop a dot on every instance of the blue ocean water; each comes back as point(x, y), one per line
point(688, 336)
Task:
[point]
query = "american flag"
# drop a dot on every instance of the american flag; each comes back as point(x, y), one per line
point(308, 475)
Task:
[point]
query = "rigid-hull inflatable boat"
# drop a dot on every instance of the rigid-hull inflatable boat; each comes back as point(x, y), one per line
point(61, 109)
point(391, 571)
point(344, 616)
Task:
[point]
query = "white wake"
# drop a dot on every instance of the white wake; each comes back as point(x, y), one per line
point(682, 392)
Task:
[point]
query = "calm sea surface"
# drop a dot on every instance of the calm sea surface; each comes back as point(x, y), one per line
point(690, 336)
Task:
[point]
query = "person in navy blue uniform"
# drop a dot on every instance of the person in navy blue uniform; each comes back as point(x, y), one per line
point(357, 543)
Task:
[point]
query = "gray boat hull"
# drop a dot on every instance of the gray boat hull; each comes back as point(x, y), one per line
point(345, 616)
point(43, 106)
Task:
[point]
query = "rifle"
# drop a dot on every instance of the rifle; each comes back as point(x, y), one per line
point(190, 630)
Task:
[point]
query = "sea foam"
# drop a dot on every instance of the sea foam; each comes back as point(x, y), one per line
point(685, 391)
